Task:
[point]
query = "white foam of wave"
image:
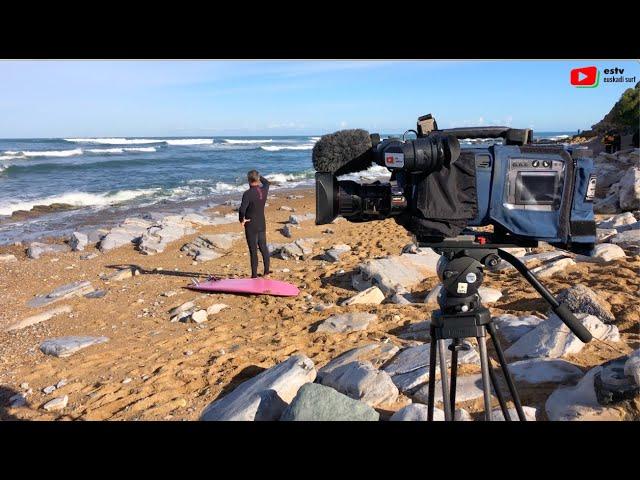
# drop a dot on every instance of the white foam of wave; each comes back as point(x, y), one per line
point(288, 177)
point(78, 199)
point(277, 148)
point(248, 142)
point(190, 141)
point(222, 187)
point(122, 150)
point(314, 139)
point(10, 157)
point(558, 137)
point(375, 172)
point(115, 141)
point(51, 153)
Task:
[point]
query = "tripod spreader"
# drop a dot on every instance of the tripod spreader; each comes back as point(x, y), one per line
point(561, 310)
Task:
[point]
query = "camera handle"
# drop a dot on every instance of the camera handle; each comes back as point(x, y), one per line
point(560, 309)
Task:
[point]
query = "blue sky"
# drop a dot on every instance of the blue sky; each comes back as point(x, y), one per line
point(209, 98)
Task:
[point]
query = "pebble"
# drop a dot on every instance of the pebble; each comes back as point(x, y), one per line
point(49, 389)
point(199, 316)
point(56, 404)
point(126, 380)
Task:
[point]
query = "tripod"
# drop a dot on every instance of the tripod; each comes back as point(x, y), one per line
point(462, 315)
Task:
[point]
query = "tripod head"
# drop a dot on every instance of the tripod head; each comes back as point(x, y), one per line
point(461, 271)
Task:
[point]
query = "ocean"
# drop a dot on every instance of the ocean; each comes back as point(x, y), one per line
point(109, 179)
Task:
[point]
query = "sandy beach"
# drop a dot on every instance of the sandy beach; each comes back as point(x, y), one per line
point(153, 369)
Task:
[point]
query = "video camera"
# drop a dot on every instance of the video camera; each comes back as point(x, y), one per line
point(527, 192)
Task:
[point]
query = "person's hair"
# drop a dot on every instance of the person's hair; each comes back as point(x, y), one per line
point(253, 176)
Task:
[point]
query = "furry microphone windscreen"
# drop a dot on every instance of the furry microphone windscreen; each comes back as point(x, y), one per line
point(345, 151)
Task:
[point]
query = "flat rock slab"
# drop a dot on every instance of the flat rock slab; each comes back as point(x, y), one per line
point(396, 274)
point(512, 327)
point(553, 338)
point(37, 249)
point(265, 396)
point(315, 402)
point(66, 346)
point(607, 252)
point(544, 370)
point(334, 253)
point(362, 381)
point(56, 404)
point(581, 299)
point(580, 402)
point(75, 289)
point(370, 296)
point(416, 412)
point(468, 387)
point(417, 331)
point(553, 268)
point(40, 317)
point(375, 353)
point(629, 240)
point(347, 322)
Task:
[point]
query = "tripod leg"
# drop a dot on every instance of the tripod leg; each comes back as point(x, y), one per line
point(454, 372)
point(505, 371)
point(496, 388)
point(484, 365)
point(432, 375)
point(442, 351)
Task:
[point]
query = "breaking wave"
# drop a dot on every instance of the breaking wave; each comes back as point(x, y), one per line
point(115, 141)
point(117, 150)
point(277, 148)
point(248, 142)
point(190, 141)
point(78, 199)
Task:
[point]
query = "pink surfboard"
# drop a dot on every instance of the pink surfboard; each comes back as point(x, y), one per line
point(257, 286)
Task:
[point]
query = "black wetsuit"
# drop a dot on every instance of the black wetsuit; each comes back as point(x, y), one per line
point(252, 208)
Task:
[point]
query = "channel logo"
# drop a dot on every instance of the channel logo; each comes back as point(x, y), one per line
point(585, 77)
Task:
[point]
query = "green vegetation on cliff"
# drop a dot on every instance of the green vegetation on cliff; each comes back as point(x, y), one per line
point(624, 117)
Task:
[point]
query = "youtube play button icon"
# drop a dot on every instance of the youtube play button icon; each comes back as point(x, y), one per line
point(585, 77)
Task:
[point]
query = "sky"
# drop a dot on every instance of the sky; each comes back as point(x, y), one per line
point(208, 98)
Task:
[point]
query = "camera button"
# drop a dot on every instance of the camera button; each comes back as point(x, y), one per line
point(535, 164)
point(546, 164)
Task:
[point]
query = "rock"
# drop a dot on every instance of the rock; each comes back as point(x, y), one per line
point(315, 402)
point(199, 316)
point(417, 331)
point(129, 231)
point(171, 228)
point(78, 241)
point(334, 253)
point(406, 271)
point(8, 258)
point(512, 327)
point(216, 308)
point(630, 189)
point(56, 404)
point(580, 402)
point(61, 383)
point(632, 366)
point(371, 295)
point(74, 289)
point(40, 317)
point(287, 209)
point(328, 231)
point(49, 389)
point(468, 387)
point(432, 296)
point(169, 293)
point(410, 368)
point(66, 346)
point(347, 322)
point(265, 396)
point(18, 400)
point(374, 353)
point(298, 219)
point(362, 381)
point(89, 256)
point(120, 275)
point(489, 295)
point(402, 298)
point(608, 204)
point(544, 370)
point(286, 230)
point(553, 268)
point(607, 174)
point(96, 294)
point(553, 338)
point(37, 249)
point(182, 308)
point(629, 240)
point(604, 234)
point(529, 414)
point(581, 299)
point(617, 380)
point(616, 221)
point(418, 412)
point(545, 258)
point(298, 250)
point(607, 252)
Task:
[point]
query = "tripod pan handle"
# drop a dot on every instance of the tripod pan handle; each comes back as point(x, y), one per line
point(572, 322)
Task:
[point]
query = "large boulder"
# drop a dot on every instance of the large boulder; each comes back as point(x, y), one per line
point(37, 249)
point(630, 189)
point(396, 274)
point(315, 402)
point(265, 396)
point(544, 370)
point(78, 241)
point(512, 327)
point(553, 339)
point(129, 231)
point(210, 247)
point(628, 240)
point(581, 299)
point(468, 387)
point(607, 252)
point(374, 353)
point(362, 381)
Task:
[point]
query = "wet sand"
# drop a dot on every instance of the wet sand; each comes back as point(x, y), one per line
point(152, 369)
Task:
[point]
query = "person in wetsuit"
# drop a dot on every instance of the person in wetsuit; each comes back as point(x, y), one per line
point(251, 215)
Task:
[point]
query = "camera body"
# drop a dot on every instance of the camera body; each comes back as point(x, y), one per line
point(437, 189)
